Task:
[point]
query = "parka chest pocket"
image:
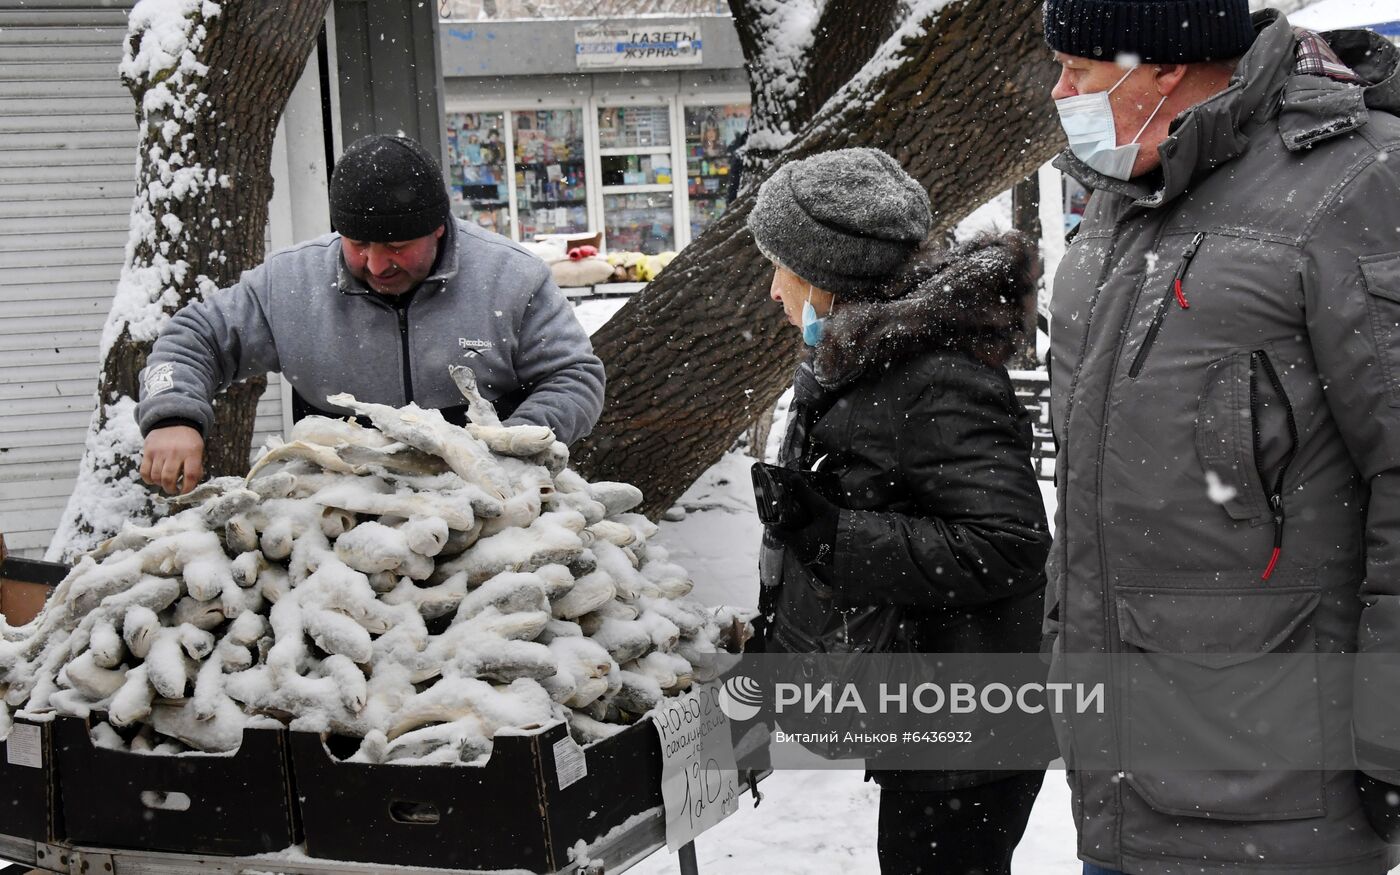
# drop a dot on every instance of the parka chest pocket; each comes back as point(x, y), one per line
point(1224, 439)
point(1381, 274)
point(1246, 435)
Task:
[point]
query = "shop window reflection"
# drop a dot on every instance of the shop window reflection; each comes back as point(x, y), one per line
point(714, 136)
point(551, 193)
point(476, 156)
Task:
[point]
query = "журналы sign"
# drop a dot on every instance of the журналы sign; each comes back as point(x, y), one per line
point(655, 45)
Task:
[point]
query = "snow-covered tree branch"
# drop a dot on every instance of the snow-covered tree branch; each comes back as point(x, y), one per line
point(210, 81)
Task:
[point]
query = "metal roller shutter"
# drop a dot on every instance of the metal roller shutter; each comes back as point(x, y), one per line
point(67, 168)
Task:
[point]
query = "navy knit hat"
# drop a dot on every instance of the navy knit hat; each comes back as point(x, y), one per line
point(387, 189)
point(1156, 31)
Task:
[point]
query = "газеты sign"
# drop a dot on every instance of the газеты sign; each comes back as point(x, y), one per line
point(656, 44)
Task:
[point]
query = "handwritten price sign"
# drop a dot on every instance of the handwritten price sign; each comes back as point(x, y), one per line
point(699, 779)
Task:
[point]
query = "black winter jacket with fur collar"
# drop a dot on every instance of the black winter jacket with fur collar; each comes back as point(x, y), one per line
point(941, 512)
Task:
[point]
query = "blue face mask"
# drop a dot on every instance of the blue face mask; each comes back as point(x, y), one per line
point(1093, 135)
point(813, 326)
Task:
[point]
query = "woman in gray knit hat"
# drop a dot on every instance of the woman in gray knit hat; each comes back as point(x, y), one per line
point(905, 515)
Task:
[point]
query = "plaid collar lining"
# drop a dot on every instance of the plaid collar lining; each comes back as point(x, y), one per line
point(1314, 57)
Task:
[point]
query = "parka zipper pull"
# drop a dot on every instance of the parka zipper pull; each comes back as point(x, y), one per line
point(1164, 304)
point(1181, 297)
point(1276, 502)
point(1259, 360)
point(1181, 269)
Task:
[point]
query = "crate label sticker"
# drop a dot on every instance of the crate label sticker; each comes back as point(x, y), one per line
point(570, 762)
point(25, 746)
point(699, 776)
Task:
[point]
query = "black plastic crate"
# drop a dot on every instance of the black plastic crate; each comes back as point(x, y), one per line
point(237, 804)
point(29, 802)
point(510, 813)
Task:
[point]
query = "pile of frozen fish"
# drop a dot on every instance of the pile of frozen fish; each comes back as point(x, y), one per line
point(417, 585)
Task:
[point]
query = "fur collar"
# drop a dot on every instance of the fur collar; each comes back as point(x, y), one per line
point(969, 299)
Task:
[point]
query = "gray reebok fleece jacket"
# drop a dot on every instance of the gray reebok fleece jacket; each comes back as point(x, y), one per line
point(489, 304)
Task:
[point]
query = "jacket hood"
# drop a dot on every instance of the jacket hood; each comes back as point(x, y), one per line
point(1375, 59)
point(969, 298)
point(1265, 88)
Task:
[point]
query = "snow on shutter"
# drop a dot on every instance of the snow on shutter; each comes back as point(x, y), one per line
point(67, 169)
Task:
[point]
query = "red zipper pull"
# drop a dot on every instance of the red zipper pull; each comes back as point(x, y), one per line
point(1277, 502)
point(1273, 563)
point(1187, 257)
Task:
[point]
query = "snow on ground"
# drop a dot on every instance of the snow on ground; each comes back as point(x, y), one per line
point(592, 314)
point(717, 541)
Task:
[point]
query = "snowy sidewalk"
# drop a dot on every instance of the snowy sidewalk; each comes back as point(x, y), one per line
point(823, 823)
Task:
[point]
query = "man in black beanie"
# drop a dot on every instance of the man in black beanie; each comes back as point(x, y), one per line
point(390, 207)
point(1225, 360)
point(380, 310)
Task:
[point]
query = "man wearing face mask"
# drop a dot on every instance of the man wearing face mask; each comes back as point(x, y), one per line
point(1226, 382)
point(380, 309)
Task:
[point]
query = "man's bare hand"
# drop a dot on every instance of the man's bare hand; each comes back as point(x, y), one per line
point(170, 453)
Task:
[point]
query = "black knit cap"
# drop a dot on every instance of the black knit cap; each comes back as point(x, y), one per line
point(1156, 31)
point(387, 189)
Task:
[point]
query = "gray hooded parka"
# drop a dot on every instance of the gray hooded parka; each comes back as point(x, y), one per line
point(1229, 450)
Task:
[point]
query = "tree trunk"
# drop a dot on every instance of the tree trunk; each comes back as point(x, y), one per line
point(759, 433)
point(1025, 207)
point(789, 88)
point(962, 100)
point(1025, 217)
point(208, 114)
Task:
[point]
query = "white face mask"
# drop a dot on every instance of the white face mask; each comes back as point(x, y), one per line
point(1088, 123)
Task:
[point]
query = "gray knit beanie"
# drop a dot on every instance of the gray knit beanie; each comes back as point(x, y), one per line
point(843, 220)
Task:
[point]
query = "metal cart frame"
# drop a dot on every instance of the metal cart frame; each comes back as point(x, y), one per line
point(615, 854)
